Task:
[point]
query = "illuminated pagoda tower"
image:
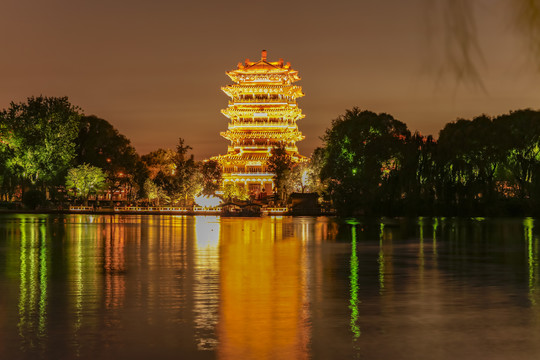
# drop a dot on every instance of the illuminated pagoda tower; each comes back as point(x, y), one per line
point(262, 114)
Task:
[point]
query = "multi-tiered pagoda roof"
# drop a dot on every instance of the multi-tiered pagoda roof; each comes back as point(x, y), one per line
point(262, 114)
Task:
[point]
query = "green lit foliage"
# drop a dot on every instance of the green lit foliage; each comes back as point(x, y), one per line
point(363, 154)
point(484, 160)
point(100, 144)
point(232, 191)
point(520, 141)
point(417, 176)
point(371, 164)
point(468, 155)
point(85, 180)
point(38, 138)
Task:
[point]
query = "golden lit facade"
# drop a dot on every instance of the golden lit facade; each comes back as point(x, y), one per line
point(262, 114)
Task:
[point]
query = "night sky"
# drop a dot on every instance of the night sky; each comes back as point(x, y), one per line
point(154, 69)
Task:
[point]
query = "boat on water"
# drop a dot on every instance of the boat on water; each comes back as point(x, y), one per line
point(241, 210)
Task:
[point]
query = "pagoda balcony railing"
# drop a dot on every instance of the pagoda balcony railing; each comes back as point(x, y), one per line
point(291, 91)
point(248, 173)
point(262, 101)
point(248, 124)
point(262, 144)
point(271, 111)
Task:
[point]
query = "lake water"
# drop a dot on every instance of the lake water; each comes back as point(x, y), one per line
point(202, 287)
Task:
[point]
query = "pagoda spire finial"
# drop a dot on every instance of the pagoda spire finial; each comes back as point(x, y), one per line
point(263, 55)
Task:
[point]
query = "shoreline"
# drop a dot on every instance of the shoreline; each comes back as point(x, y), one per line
point(219, 213)
point(148, 212)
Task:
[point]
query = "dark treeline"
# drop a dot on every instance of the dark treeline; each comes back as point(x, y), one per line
point(372, 164)
point(369, 164)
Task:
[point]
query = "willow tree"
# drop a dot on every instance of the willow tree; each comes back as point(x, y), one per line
point(469, 155)
point(453, 34)
point(520, 141)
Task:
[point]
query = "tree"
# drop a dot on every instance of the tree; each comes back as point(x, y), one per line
point(521, 147)
point(211, 175)
point(469, 153)
point(7, 177)
point(417, 176)
point(185, 180)
point(315, 166)
point(32, 199)
point(461, 50)
point(160, 160)
point(100, 144)
point(280, 163)
point(232, 191)
point(85, 180)
point(39, 136)
point(153, 191)
point(363, 156)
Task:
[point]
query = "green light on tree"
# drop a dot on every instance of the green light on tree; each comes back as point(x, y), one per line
point(85, 180)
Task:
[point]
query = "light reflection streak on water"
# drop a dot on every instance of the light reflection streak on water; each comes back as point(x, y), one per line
point(115, 266)
point(42, 280)
point(262, 290)
point(532, 259)
point(33, 277)
point(79, 285)
point(354, 302)
point(206, 286)
point(306, 284)
point(23, 285)
point(421, 251)
point(380, 260)
point(261, 274)
point(435, 226)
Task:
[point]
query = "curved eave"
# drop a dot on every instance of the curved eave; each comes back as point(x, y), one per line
point(270, 135)
point(259, 77)
point(247, 111)
point(237, 89)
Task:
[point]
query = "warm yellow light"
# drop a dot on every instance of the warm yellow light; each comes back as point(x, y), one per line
point(263, 112)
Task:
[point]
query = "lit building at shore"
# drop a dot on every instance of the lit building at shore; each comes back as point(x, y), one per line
point(262, 114)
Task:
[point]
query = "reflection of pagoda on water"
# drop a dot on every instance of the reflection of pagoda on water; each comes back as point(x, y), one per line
point(263, 114)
